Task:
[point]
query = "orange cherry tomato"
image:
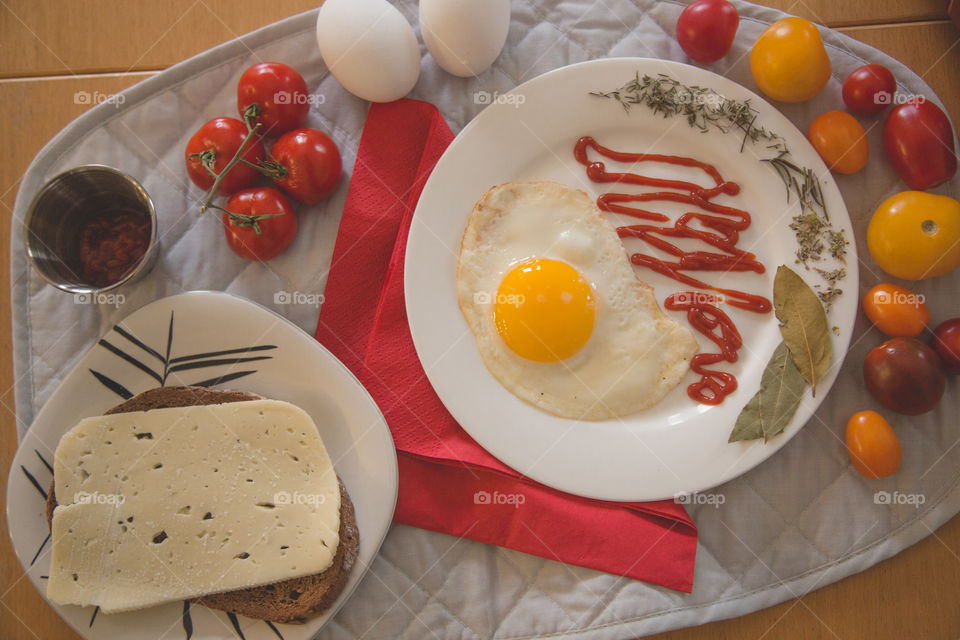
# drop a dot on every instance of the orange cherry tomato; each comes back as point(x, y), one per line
point(840, 141)
point(896, 310)
point(873, 446)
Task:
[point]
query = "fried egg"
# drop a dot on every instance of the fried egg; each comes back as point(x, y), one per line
point(560, 318)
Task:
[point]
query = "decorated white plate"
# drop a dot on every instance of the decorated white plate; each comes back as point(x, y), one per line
point(214, 340)
point(678, 446)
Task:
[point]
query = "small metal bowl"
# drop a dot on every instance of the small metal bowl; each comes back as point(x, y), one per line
point(53, 222)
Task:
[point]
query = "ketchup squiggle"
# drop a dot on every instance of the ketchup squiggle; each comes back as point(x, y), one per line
point(720, 228)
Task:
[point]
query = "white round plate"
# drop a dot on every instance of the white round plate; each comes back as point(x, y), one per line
point(677, 446)
point(194, 338)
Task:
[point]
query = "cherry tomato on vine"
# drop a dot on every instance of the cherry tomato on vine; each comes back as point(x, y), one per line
point(214, 145)
point(789, 62)
point(904, 375)
point(259, 224)
point(946, 342)
point(873, 446)
point(869, 89)
point(706, 28)
point(308, 164)
point(840, 141)
point(918, 140)
point(896, 310)
point(280, 94)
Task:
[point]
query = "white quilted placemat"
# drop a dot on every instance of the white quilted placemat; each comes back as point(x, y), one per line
point(797, 522)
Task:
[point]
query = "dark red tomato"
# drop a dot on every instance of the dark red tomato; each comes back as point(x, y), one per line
point(214, 145)
point(904, 375)
point(918, 140)
point(260, 224)
point(706, 28)
point(309, 164)
point(946, 342)
point(280, 94)
point(869, 89)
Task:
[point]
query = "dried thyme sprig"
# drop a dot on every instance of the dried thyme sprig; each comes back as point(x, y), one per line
point(704, 108)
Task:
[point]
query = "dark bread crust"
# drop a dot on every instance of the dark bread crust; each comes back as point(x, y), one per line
point(289, 601)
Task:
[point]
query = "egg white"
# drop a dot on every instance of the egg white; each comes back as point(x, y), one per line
point(636, 353)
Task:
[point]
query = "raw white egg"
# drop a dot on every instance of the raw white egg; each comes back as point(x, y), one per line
point(559, 316)
point(464, 36)
point(369, 47)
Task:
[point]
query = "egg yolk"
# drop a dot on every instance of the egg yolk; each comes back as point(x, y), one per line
point(544, 310)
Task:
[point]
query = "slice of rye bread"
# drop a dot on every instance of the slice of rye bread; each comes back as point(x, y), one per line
point(287, 601)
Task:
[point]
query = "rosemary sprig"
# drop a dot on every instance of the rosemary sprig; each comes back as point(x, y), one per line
point(705, 109)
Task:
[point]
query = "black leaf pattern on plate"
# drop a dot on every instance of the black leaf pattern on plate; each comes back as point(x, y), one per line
point(94, 616)
point(34, 482)
point(274, 629)
point(187, 620)
point(42, 545)
point(44, 461)
point(168, 364)
point(236, 625)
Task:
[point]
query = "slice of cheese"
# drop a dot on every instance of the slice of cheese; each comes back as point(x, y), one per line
point(171, 504)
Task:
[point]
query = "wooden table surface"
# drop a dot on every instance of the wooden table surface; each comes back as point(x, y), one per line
point(49, 50)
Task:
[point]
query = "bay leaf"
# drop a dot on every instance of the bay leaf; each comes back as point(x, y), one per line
point(803, 325)
point(770, 410)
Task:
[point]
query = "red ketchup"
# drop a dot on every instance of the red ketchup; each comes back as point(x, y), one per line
point(719, 228)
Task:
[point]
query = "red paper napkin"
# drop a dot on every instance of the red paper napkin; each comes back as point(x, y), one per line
point(448, 482)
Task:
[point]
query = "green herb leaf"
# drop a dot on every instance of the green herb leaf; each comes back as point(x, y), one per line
point(803, 325)
point(770, 410)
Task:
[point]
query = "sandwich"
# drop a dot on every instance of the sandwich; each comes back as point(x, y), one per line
point(223, 498)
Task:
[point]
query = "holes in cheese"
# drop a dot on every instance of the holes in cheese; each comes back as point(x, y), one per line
point(276, 513)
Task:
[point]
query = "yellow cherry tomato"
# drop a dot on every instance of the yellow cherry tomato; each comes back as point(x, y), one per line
point(840, 141)
point(873, 446)
point(915, 235)
point(789, 62)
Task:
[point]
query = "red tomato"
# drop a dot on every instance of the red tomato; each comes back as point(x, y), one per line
point(706, 28)
point(840, 141)
point(259, 223)
point(873, 446)
point(946, 342)
point(214, 145)
point(918, 139)
point(280, 94)
point(308, 164)
point(869, 89)
point(904, 375)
